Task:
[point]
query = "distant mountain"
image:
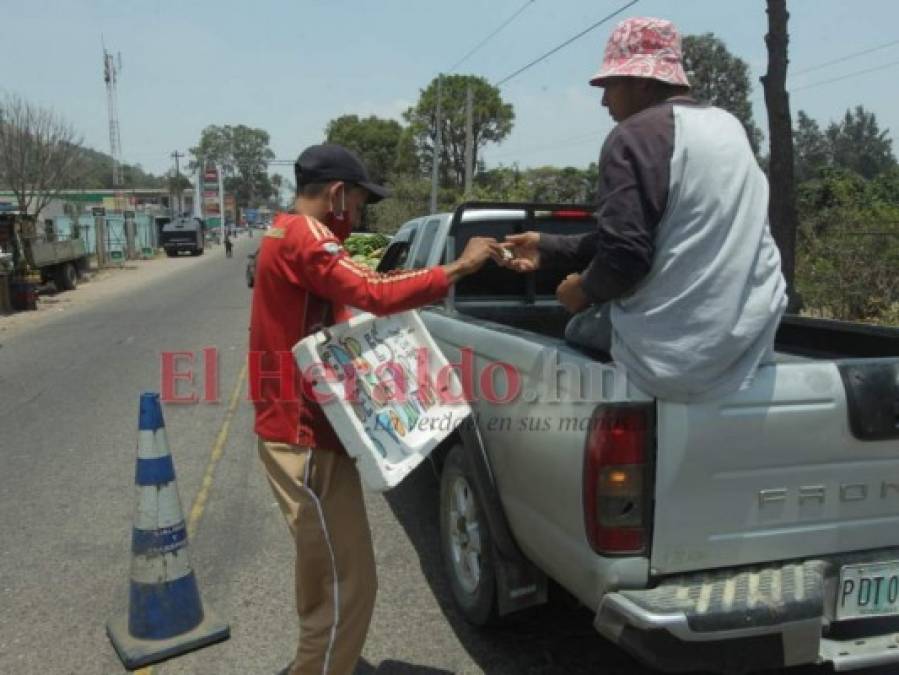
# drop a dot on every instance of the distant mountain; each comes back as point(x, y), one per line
point(98, 173)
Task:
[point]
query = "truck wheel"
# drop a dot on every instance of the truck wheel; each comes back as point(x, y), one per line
point(170, 253)
point(66, 277)
point(465, 540)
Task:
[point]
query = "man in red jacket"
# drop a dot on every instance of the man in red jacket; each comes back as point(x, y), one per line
point(304, 281)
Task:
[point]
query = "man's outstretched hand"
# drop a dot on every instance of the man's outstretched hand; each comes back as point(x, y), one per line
point(519, 252)
point(571, 294)
point(477, 251)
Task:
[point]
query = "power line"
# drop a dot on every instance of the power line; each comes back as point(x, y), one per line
point(847, 76)
point(847, 57)
point(489, 37)
point(566, 43)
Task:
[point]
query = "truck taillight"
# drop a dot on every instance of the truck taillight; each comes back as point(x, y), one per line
point(616, 458)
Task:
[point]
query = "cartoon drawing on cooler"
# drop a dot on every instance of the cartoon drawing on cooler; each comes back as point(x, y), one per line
point(383, 421)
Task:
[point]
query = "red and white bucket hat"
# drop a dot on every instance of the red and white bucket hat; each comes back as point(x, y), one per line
point(643, 47)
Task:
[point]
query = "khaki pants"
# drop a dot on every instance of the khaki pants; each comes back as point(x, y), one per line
point(321, 497)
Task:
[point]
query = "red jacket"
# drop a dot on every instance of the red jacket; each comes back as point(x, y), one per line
point(301, 270)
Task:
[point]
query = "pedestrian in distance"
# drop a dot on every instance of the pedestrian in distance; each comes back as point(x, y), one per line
point(681, 280)
point(305, 280)
point(228, 244)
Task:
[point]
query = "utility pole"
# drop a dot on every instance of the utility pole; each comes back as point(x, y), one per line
point(435, 164)
point(177, 156)
point(469, 141)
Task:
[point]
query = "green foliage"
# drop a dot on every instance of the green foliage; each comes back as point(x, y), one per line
point(811, 152)
point(493, 119)
point(547, 184)
point(721, 79)
point(374, 139)
point(411, 199)
point(855, 143)
point(848, 246)
point(242, 153)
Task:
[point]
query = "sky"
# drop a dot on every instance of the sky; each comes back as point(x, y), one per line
point(290, 66)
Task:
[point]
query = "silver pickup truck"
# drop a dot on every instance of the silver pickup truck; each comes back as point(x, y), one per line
point(756, 531)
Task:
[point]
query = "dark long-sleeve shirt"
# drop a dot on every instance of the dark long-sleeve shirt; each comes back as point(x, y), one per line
point(634, 168)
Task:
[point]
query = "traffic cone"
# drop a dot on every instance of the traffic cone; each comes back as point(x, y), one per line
point(165, 614)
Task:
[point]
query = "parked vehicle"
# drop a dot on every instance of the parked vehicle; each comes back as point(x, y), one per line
point(183, 234)
point(756, 531)
point(61, 261)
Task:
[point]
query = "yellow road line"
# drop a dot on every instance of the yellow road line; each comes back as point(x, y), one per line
point(196, 511)
point(218, 448)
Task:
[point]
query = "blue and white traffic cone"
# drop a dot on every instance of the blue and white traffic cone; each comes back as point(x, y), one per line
point(165, 614)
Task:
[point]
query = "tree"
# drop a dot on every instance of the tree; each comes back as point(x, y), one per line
point(407, 161)
point(277, 181)
point(858, 144)
point(374, 139)
point(242, 154)
point(811, 150)
point(855, 144)
point(493, 119)
point(782, 203)
point(410, 200)
point(40, 154)
point(721, 79)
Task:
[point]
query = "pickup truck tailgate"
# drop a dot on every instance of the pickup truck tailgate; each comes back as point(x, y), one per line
point(804, 463)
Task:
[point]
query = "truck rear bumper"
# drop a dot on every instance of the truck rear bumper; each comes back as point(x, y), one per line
point(734, 621)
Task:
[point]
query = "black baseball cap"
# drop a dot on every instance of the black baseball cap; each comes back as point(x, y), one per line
point(329, 162)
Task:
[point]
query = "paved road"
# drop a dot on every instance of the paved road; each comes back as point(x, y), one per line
point(68, 412)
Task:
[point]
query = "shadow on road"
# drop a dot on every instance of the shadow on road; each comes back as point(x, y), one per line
point(554, 639)
point(391, 667)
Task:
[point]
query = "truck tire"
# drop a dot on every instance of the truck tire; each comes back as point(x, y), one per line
point(465, 542)
point(171, 253)
point(65, 277)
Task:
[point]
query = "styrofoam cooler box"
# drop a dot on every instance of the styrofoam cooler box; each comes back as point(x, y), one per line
point(399, 415)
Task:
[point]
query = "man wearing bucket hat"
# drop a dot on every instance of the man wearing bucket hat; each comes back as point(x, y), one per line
point(306, 280)
point(681, 280)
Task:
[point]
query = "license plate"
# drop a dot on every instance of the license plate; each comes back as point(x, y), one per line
point(868, 590)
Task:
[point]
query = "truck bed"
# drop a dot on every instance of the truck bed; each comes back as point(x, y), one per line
point(799, 339)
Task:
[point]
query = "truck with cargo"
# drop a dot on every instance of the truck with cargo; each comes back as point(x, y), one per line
point(756, 531)
point(38, 246)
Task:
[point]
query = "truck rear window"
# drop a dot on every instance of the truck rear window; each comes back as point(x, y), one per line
point(491, 281)
point(496, 282)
